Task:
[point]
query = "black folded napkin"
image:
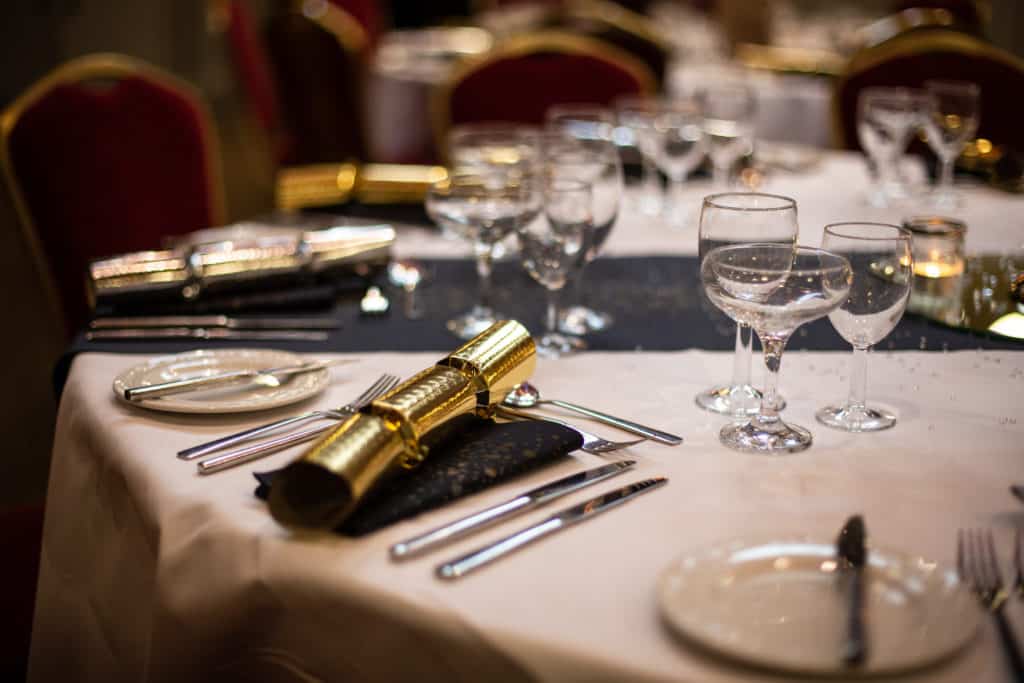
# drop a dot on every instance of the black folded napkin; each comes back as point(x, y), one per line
point(467, 455)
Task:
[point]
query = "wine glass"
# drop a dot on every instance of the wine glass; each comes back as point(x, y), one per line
point(729, 110)
point(883, 266)
point(483, 209)
point(681, 148)
point(886, 119)
point(581, 121)
point(595, 160)
point(638, 115)
point(774, 288)
point(549, 250)
point(950, 121)
point(736, 218)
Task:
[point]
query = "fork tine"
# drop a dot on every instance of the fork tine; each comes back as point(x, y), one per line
point(961, 566)
point(370, 390)
point(992, 558)
point(383, 386)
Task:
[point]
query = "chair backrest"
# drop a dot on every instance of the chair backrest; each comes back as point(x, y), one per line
point(521, 78)
point(105, 155)
point(319, 59)
point(912, 58)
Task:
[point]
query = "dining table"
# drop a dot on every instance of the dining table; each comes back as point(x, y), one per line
point(152, 571)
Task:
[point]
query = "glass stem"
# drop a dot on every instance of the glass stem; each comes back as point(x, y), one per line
point(551, 321)
point(858, 379)
point(677, 200)
point(946, 176)
point(720, 176)
point(773, 346)
point(742, 358)
point(484, 267)
point(649, 181)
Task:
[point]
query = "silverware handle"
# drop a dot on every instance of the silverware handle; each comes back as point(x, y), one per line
point(137, 333)
point(181, 386)
point(459, 528)
point(855, 648)
point(217, 444)
point(1010, 646)
point(159, 321)
point(628, 425)
point(463, 565)
point(237, 457)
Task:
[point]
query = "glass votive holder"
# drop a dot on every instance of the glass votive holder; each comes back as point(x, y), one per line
point(937, 245)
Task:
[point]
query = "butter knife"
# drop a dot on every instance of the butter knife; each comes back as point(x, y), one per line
point(180, 386)
point(206, 321)
point(527, 501)
point(465, 564)
point(137, 333)
point(853, 555)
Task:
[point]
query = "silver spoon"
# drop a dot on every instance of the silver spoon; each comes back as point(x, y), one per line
point(408, 275)
point(526, 395)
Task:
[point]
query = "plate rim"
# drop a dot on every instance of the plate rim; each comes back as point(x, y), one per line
point(160, 405)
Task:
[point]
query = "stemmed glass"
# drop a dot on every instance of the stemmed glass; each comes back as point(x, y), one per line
point(484, 209)
point(774, 288)
point(950, 121)
point(882, 262)
point(638, 114)
point(681, 148)
point(729, 110)
point(736, 218)
point(549, 249)
point(886, 119)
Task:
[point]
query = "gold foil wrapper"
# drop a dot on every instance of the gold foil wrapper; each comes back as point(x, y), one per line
point(327, 483)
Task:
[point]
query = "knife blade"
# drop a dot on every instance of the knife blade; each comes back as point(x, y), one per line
point(180, 386)
point(145, 333)
point(206, 321)
point(465, 564)
point(527, 501)
point(852, 554)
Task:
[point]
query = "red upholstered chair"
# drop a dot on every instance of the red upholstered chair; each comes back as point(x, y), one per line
point(106, 155)
point(524, 76)
point(914, 57)
point(368, 13)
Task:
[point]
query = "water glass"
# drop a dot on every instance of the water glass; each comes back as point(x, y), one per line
point(637, 115)
point(681, 148)
point(882, 263)
point(886, 120)
point(950, 121)
point(728, 121)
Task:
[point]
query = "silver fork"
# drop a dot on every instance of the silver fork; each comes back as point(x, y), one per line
point(1018, 565)
point(247, 453)
point(978, 565)
point(339, 413)
point(591, 442)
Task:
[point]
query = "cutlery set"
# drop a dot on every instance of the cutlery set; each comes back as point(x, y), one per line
point(210, 327)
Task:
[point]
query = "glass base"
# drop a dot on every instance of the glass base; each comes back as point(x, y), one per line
point(778, 438)
point(580, 320)
point(469, 325)
point(855, 418)
point(554, 345)
point(735, 401)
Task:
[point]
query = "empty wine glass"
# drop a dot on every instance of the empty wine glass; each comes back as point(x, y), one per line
point(681, 147)
point(774, 288)
point(882, 262)
point(550, 248)
point(729, 110)
point(484, 209)
point(736, 218)
point(950, 121)
point(886, 120)
point(638, 114)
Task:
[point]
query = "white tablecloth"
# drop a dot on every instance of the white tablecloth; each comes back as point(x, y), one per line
point(151, 572)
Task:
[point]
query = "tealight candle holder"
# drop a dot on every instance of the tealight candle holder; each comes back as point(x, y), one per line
point(938, 246)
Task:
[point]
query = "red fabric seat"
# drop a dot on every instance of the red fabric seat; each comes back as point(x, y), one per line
point(108, 155)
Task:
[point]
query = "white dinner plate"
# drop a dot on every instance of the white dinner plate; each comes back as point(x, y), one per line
point(229, 399)
point(777, 604)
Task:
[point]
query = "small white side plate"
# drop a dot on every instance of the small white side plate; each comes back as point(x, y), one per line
point(777, 604)
point(238, 398)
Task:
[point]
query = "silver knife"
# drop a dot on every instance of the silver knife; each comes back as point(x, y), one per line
point(205, 321)
point(526, 501)
point(180, 386)
point(853, 555)
point(135, 333)
point(461, 566)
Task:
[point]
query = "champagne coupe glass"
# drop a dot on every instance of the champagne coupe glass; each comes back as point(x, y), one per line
point(549, 250)
point(729, 110)
point(950, 121)
point(775, 289)
point(593, 157)
point(736, 218)
point(886, 119)
point(681, 148)
point(484, 209)
point(638, 114)
point(883, 267)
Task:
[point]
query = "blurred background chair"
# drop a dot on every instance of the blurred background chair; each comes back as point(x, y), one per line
point(107, 154)
point(521, 78)
point(913, 57)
